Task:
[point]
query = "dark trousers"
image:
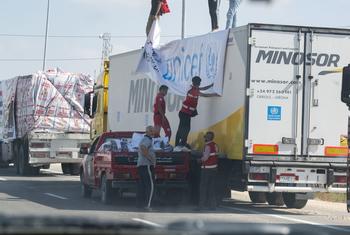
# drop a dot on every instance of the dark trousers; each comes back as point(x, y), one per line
point(207, 188)
point(153, 12)
point(183, 130)
point(145, 186)
point(213, 11)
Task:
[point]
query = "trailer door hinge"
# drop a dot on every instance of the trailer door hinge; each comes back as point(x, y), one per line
point(250, 92)
point(252, 41)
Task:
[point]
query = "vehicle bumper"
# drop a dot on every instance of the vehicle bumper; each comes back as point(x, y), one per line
point(257, 188)
point(42, 161)
point(128, 184)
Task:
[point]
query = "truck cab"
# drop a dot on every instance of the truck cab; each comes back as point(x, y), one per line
point(109, 166)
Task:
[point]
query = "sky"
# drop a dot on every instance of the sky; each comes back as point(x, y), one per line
point(75, 26)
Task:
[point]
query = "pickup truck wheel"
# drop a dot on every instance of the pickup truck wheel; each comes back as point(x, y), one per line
point(257, 197)
point(86, 191)
point(274, 199)
point(292, 202)
point(106, 190)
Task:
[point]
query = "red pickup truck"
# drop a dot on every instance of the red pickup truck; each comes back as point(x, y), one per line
point(111, 168)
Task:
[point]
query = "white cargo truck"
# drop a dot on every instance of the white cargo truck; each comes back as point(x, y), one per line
point(43, 121)
point(280, 122)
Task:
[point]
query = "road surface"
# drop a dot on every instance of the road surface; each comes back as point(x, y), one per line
point(55, 194)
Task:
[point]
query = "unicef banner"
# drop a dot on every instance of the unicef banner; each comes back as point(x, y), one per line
point(175, 63)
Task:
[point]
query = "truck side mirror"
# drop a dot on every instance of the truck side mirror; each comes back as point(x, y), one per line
point(87, 103)
point(345, 89)
point(90, 104)
point(84, 150)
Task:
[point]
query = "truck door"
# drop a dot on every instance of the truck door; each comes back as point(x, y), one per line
point(90, 169)
point(325, 128)
point(275, 93)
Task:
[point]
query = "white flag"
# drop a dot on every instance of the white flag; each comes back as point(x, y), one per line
point(176, 63)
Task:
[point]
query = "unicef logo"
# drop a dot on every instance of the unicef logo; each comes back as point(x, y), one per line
point(212, 60)
point(274, 111)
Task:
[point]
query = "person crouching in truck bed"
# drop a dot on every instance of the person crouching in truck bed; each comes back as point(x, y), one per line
point(189, 110)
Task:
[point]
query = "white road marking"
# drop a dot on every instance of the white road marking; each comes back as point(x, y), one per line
point(147, 222)
point(56, 196)
point(288, 218)
point(3, 179)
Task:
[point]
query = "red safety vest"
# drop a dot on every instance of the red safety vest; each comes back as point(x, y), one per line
point(212, 161)
point(159, 100)
point(190, 103)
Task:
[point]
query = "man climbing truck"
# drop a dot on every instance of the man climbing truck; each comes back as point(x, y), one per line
point(279, 121)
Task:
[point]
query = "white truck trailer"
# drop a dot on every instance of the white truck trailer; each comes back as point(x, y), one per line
point(43, 121)
point(280, 122)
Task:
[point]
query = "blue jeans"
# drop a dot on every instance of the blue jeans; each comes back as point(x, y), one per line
point(232, 13)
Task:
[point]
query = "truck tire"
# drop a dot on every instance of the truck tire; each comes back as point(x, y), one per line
point(74, 168)
point(86, 191)
point(292, 202)
point(70, 168)
point(65, 168)
point(257, 197)
point(47, 166)
point(106, 190)
point(24, 169)
point(274, 199)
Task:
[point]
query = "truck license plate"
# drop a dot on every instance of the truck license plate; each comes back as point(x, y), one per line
point(287, 179)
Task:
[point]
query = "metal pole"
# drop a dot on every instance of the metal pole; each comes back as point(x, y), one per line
point(46, 31)
point(183, 19)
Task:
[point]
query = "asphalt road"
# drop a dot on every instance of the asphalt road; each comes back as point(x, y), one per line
point(55, 194)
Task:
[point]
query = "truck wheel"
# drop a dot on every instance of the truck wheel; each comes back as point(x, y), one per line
point(292, 202)
point(23, 167)
point(274, 199)
point(74, 168)
point(47, 166)
point(106, 190)
point(66, 168)
point(257, 197)
point(86, 191)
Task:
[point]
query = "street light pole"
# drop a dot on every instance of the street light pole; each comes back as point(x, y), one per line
point(46, 31)
point(183, 19)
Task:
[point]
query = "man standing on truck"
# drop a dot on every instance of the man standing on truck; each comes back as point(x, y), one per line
point(159, 118)
point(158, 8)
point(209, 162)
point(214, 6)
point(145, 168)
point(232, 13)
point(189, 110)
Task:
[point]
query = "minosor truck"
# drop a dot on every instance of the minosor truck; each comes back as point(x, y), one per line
point(279, 122)
point(43, 121)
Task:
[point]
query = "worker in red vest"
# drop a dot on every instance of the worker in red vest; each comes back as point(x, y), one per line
point(209, 166)
point(159, 7)
point(159, 118)
point(189, 110)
